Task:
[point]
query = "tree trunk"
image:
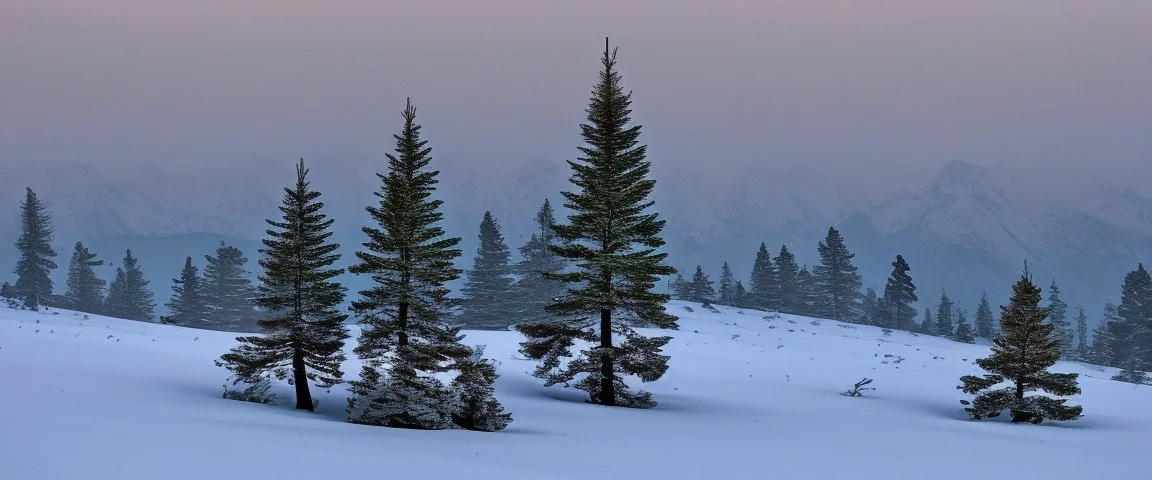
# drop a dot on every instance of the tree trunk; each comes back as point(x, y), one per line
point(300, 378)
point(402, 316)
point(1019, 390)
point(607, 386)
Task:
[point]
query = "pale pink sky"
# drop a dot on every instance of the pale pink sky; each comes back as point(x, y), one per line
point(870, 89)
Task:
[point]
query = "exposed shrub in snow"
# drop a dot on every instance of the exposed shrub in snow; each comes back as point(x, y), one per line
point(859, 388)
point(257, 392)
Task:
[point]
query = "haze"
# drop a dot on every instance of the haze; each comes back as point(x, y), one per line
point(875, 92)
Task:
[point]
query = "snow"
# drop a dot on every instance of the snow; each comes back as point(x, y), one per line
point(745, 397)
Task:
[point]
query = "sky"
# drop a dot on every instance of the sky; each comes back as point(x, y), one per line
point(877, 92)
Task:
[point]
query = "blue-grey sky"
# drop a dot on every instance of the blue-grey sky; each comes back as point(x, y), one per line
point(869, 91)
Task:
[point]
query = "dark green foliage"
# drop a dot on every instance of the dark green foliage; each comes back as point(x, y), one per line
point(790, 294)
point(489, 302)
point(33, 270)
point(740, 295)
point(964, 331)
point(188, 306)
point(927, 326)
point(944, 311)
point(895, 310)
point(85, 290)
point(1083, 346)
point(868, 307)
point(837, 284)
point(765, 284)
point(228, 291)
point(7, 292)
point(303, 329)
point(984, 320)
point(700, 288)
point(1021, 355)
point(473, 391)
point(1059, 320)
point(727, 286)
point(403, 315)
point(1111, 342)
point(128, 295)
point(614, 242)
point(1135, 310)
point(534, 292)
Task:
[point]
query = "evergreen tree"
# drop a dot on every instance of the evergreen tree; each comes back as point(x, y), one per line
point(489, 298)
point(944, 325)
point(534, 291)
point(764, 283)
point(984, 319)
point(837, 284)
point(964, 331)
point(614, 242)
point(700, 290)
point(1135, 310)
point(303, 334)
point(1059, 319)
point(228, 291)
point(7, 292)
point(681, 289)
point(806, 292)
point(899, 295)
point(1082, 344)
point(85, 290)
point(187, 307)
point(727, 286)
point(740, 295)
point(410, 260)
point(33, 270)
point(1021, 355)
point(1112, 339)
point(128, 295)
point(868, 307)
point(789, 290)
point(473, 392)
point(928, 327)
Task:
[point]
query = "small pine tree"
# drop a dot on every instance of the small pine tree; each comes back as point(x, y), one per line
point(789, 290)
point(85, 290)
point(473, 392)
point(944, 310)
point(1059, 320)
point(927, 326)
point(740, 295)
point(681, 289)
point(187, 307)
point(837, 283)
point(128, 295)
point(534, 291)
point(1021, 355)
point(34, 269)
point(701, 288)
point(228, 291)
point(304, 333)
point(764, 282)
point(895, 309)
point(727, 285)
point(489, 302)
point(964, 331)
point(7, 292)
point(1082, 343)
point(410, 261)
point(868, 307)
point(806, 292)
point(984, 319)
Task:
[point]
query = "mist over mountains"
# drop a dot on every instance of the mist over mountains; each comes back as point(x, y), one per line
point(968, 229)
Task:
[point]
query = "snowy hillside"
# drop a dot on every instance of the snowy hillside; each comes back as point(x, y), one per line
point(745, 397)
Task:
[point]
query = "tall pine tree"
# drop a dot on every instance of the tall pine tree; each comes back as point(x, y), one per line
point(765, 286)
point(739, 295)
point(1135, 310)
point(34, 269)
point(85, 290)
point(1021, 355)
point(944, 311)
point(790, 296)
point(927, 326)
point(727, 286)
point(1082, 344)
point(403, 315)
point(304, 333)
point(128, 295)
point(188, 306)
point(489, 302)
point(700, 288)
point(899, 295)
point(614, 242)
point(984, 321)
point(1059, 319)
point(837, 287)
point(1111, 342)
point(229, 292)
point(533, 290)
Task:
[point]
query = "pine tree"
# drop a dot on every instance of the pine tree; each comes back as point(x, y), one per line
point(473, 392)
point(681, 289)
point(128, 295)
point(534, 291)
point(1082, 344)
point(806, 292)
point(303, 333)
point(614, 242)
point(1021, 355)
point(984, 319)
point(727, 286)
point(187, 307)
point(700, 289)
point(1135, 312)
point(1112, 339)
point(927, 326)
point(789, 290)
point(85, 290)
point(1059, 319)
point(964, 331)
point(764, 283)
point(740, 295)
point(868, 307)
point(33, 270)
point(229, 292)
point(899, 295)
point(403, 315)
point(837, 284)
point(944, 325)
point(489, 302)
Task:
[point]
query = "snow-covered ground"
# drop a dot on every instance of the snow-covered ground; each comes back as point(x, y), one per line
point(745, 397)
